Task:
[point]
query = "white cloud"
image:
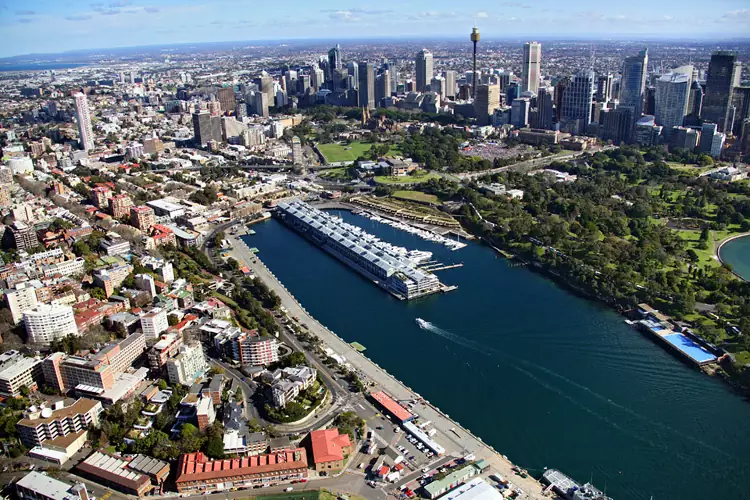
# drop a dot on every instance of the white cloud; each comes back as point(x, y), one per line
point(481, 15)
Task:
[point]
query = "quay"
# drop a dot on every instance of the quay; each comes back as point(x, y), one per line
point(457, 440)
point(387, 266)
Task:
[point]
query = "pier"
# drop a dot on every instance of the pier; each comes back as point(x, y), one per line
point(439, 267)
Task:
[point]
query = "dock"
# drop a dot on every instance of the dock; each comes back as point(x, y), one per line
point(439, 267)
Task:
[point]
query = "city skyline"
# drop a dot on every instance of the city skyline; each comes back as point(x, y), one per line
point(49, 27)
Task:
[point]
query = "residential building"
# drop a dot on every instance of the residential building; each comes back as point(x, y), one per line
point(531, 69)
point(196, 473)
point(329, 449)
point(119, 205)
point(39, 486)
point(247, 348)
point(20, 298)
point(289, 382)
point(163, 268)
point(160, 235)
point(96, 372)
point(112, 277)
point(142, 217)
point(73, 267)
point(22, 236)
point(723, 76)
point(83, 116)
point(167, 347)
point(100, 196)
point(114, 245)
point(154, 323)
point(424, 71)
point(205, 413)
point(45, 323)
point(41, 425)
point(113, 472)
point(17, 371)
point(187, 365)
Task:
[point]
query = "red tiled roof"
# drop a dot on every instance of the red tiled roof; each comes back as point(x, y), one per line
point(392, 406)
point(327, 445)
point(198, 467)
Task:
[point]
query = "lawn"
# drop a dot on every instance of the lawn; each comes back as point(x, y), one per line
point(706, 257)
point(335, 152)
point(406, 179)
point(336, 173)
point(416, 196)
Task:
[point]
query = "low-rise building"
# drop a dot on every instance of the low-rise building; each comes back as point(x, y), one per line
point(114, 245)
point(196, 473)
point(113, 472)
point(289, 382)
point(329, 449)
point(40, 486)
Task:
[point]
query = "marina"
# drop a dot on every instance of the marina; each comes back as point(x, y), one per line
point(391, 267)
point(422, 233)
point(569, 489)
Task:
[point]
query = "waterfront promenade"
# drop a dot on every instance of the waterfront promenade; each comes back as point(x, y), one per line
point(457, 440)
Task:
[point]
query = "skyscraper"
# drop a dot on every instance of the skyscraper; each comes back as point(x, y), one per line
point(423, 69)
point(474, 39)
point(723, 75)
point(437, 84)
point(560, 87)
point(382, 87)
point(633, 85)
point(334, 61)
point(84, 121)
point(227, 99)
point(201, 127)
point(545, 112)
point(485, 102)
point(614, 124)
point(366, 89)
point(672, 93)
point(266, 86)
point(450, 84)
point(576, 102)
point(317, 78)
point(531, 70)
point(604, 87)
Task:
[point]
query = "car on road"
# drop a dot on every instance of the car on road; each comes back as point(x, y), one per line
point(425, 469)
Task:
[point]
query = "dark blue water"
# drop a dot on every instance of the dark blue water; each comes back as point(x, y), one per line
point(737, 253)
point(40, 66)
point(545, 377)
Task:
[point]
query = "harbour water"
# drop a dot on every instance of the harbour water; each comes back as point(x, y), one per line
point(737, 253)
point(547, 378)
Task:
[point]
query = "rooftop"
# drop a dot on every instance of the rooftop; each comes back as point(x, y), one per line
point(392, 406)
point(328, 444)
point(112, 468)
point(198, 467)
point(47, 486)
point(82, 405)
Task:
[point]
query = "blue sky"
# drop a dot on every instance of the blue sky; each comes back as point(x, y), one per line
point(34, 26)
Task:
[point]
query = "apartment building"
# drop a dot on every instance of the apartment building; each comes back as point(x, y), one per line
point(286, 384)
point(245, 347)
point(73, 267)
point(16, 371)
point(112, 277)
point(95, 372)
point(100, 196)
point(154, 323)
point(142, 217)
point(41, 425)
point(163, 268)
point(187, 365)
point(19, 299)
point(45, 323)
point(119, 205)
point(167, 347)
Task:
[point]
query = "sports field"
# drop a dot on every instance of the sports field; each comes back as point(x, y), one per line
point(406, 179)
point(335, 153)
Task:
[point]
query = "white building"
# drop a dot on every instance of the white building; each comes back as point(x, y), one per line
point(39, 486)
point(531, 69)
point(134, 151)
point(671, 100)
point(161, 267)
point(20, 299)
point(84, 121)
point(154, 322)
point(187, 365)
point(73, 267)
point(16, 371)
point(21, 165)
point(45, 323)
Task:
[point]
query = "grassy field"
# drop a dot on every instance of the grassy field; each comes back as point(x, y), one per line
point(416, 196)
point(335, 153)
point(340, 173)
point(706, 257)
point(407, 179)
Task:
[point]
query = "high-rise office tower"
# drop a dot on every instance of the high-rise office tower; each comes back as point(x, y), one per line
point(545, 113)
point(227, 99)
point(695, 104)
point(437, 84)
point(290, 81)
point(423, 69)
point(317, 78)
point(741, 103)
point(723, 75)
point(450, 84)
point(485, 102)
point(576, 102)
point(474, 40)
point(531, 70)
point(614, 124)
point(366, 90)
point(303, 83)
point(353, 69)
point(519, 112)
point(266, 86)
point(633, 85)
point(334, 61)
point(84, 121)
point(201, 127)
point(560, 87)
point(604, 87)
point(671, 100)
point(382, 87)
point(261, 103)
point(512, 91)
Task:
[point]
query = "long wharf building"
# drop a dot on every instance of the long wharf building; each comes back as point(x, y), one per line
point(377, 260)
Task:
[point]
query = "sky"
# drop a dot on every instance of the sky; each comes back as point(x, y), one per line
point(49, 26)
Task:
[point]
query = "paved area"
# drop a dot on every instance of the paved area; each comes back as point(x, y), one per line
point(456, 440)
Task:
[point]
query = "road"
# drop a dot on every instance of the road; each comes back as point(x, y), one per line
point(456, 439)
